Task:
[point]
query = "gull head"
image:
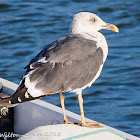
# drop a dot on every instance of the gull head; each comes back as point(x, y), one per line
point(89, 23)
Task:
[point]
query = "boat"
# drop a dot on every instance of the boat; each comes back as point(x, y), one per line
point(35, 116)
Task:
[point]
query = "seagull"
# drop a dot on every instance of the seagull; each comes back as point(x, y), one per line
point(69, 64)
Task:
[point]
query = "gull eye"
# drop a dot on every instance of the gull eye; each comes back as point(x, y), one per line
point(93, 20)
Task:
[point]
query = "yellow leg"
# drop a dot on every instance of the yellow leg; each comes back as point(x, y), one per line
point(61, 97)
point(80, 100)
point(83, 122)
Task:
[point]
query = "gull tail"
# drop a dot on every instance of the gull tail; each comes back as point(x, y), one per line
point(21, 95)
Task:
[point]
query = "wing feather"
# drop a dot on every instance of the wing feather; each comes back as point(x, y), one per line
point(71, 62)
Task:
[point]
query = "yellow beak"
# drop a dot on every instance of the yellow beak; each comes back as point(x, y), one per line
point(111, 27)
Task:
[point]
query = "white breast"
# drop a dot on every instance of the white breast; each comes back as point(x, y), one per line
point(101, 42)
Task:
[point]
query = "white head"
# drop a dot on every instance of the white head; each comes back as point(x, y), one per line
point(86, 22)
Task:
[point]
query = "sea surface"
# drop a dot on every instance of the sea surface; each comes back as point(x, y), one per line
point(27, 26)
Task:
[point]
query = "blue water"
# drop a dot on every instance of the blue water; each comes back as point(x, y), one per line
point(26, 27)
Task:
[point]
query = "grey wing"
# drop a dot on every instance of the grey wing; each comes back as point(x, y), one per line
point(65, 48)
point(71, 62)
point(47, 53)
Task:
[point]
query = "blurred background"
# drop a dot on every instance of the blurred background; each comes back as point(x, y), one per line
point(26, 27)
